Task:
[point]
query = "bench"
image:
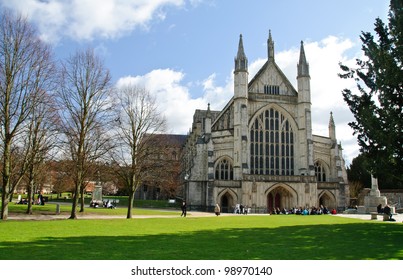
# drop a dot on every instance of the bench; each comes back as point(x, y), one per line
point(374, 215)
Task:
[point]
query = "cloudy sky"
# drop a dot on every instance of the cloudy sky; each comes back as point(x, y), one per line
point(183, 50)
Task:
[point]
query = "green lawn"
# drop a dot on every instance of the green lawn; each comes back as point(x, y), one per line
point(225, 237)
point(50, 208)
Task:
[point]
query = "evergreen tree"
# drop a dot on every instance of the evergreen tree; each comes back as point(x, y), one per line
point(377, 107)
point(358, 171)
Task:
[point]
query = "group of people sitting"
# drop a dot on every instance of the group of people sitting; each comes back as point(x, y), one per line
point(303, 211)
point(38, 201)
point(106, 204)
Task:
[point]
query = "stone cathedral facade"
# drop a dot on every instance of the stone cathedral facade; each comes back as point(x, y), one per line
point(259, 150)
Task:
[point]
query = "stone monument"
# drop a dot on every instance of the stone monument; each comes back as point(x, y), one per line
point(373, 199)
point(97, 194)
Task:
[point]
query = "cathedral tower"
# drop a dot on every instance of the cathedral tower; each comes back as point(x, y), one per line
point(304, 114)
point(335, 163)
point(240, 112)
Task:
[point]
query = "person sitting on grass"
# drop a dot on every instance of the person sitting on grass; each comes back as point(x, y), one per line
point(379, 209)
point(109, 205)
point(388, 212)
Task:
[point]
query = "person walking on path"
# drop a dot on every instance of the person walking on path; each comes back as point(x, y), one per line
point(183, 207)
point(217, 210)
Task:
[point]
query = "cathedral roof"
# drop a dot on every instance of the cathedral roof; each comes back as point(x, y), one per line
point(222, 112)
point(172, 140)
point(269, 66)
point(262, 70)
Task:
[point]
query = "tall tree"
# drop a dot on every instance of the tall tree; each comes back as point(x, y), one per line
point(40, 138)
point(358, 171)
point(139, 119)
point(377, 107)
point(84, 96)
point(26, 67)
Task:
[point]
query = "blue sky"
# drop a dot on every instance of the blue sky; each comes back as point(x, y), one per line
point(183, 50)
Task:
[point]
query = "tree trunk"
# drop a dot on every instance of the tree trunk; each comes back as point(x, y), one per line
point(130, 205)
point(73, 214)
point(31, 190)
point(4, 208)
point(82, 202)
point(6, 179)
point(30, 197)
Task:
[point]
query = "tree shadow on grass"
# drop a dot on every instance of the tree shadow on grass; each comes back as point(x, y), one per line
point(355, 241)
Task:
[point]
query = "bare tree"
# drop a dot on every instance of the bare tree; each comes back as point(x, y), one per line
point(138, 121)
point(62, 176)
point(165, 174)
point(85, 113)
point(26, 68)
point(171, 180)
point(40, 138)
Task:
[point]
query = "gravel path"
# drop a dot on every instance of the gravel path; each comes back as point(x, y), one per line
point(86, 216)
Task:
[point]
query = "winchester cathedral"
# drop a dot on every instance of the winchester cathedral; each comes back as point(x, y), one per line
point(259, 150)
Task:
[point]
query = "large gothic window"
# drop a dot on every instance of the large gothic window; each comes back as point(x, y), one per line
point(271, 144)
point(224, 170)
point(320, 172)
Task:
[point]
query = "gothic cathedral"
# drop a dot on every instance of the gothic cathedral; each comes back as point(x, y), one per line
point(259, 150)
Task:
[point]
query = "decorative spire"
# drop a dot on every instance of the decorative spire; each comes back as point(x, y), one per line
point(303, 66)
point(208, 115)
point(270, 47)
point(241, 62)
point(331, 120)
point(332, 128)
point(241, 52)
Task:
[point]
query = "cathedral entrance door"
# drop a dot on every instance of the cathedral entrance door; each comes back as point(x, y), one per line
point(226, 203)
point(327, 200)
point(280, 197)
point(273, 202)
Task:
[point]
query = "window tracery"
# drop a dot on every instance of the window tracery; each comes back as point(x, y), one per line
point(271, 144)
point(224, 170)
point(320, 172)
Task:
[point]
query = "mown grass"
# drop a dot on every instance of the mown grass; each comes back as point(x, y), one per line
point(50, 209)
point(265, 237)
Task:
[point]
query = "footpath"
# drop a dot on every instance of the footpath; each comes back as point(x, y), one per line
point(191, 214)
point(397, 217)
point(89, 216)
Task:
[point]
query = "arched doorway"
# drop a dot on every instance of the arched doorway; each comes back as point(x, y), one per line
point(273, 201)
point(227, 203)
point(281, 197)
point(326, 199)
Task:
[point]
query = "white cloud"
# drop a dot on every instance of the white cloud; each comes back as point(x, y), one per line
point(217, 96)
point(326, 87)
point(86, 19)
point(173, 98)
